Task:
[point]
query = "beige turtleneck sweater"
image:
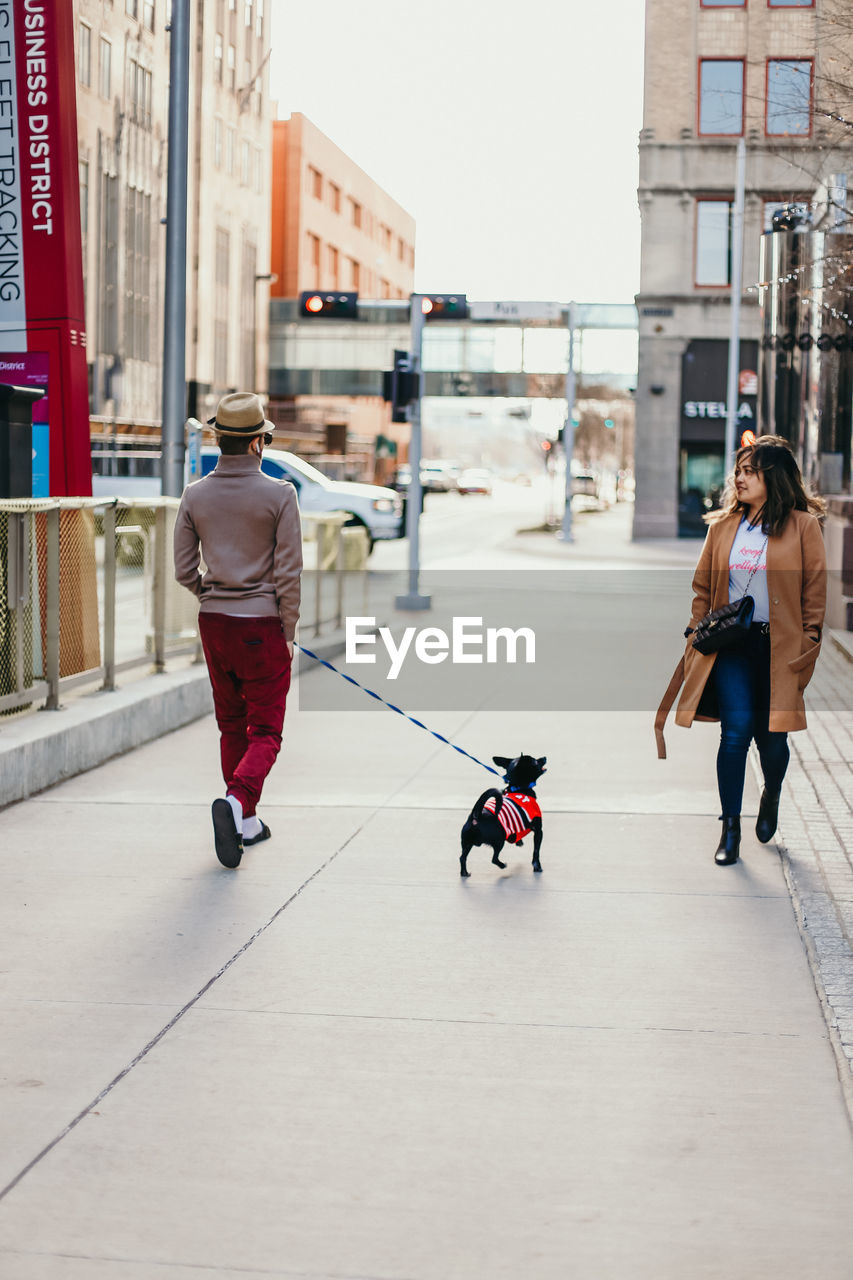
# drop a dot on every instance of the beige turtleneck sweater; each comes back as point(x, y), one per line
point(246, 527)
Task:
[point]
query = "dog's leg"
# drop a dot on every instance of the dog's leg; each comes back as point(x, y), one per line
point(537, 843)
point(467, 845)
point(497, 848)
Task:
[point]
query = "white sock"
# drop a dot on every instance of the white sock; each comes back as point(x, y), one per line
point(252, 827)
point(237, 810)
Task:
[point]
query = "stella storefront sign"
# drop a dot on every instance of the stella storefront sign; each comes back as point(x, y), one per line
point(41, 270)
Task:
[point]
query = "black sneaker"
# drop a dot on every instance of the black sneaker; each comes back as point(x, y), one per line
point(263, 834)
point(227, 839)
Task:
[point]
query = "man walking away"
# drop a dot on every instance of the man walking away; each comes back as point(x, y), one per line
point(246, 527)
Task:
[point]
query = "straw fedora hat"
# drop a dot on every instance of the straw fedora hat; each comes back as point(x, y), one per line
point(241, 414)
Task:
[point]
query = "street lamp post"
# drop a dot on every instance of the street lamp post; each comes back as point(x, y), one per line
point(414, 599)
point(174, 403)
point(271, 278)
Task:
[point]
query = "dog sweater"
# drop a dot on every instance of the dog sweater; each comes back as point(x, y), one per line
point(516, 814)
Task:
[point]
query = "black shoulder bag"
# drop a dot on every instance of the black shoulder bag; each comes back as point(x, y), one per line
point(727, 626)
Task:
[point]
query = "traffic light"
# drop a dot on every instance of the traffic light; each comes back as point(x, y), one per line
point(546, 446)
point(400, 386)
point(445, 306)
point(334, 305)
point(609, 423)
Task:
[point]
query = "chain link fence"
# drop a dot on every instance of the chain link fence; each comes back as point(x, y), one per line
point(87, 591)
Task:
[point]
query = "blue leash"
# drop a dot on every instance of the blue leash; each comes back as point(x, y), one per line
point(391, 706)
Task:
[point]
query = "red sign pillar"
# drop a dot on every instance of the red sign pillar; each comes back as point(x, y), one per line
point(41, 266)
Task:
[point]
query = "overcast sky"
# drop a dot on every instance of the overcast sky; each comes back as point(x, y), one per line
point(508, 130)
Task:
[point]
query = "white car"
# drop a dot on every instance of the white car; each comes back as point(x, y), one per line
point(379, 510)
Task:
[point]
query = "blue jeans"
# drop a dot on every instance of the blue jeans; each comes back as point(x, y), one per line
point(742, 676)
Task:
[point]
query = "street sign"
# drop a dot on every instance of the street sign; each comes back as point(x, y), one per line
point(515, 310)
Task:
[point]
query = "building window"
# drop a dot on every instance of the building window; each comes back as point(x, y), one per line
point(245, 163)
point(108, 236)
point(137, 274)
point(259, 18)
point(139, 93)
point(313, 249)
point(105, 67)
point(795, 204)
point(217, 58)
point(148, 14)
point(722, 4)
point(259, 170)
point(248, 313)
point(355, 274)
point(333, 266)
point(355, 210)
point(217, 142)
point(315, 182)
point(232, 68)
point(229, 150)
point(713, 243)
point(84, 54)
point(83, 174)
point(791, 4)
point(222, 275)
point(335, 197)
point(721, 96)
point(789, 97)
point(247, 14)
point(131, 8)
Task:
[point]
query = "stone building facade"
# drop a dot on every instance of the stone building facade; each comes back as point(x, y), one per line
point(774, 73)
point(122, 58)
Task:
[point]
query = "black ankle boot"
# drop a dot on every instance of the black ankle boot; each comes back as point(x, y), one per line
point(768, 816)
point(728, 850)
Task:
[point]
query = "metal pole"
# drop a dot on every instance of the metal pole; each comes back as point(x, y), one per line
point(175, 308)
point(109, 597)
point(414, 599)
point(51, 648)
point(737, 290)
point(566, 534)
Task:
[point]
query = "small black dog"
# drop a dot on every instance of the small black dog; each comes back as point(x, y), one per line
point(506, 816)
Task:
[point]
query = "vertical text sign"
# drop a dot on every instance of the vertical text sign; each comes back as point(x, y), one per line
point(41, 268)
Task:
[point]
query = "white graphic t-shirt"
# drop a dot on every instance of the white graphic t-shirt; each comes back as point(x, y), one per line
point(749, 550)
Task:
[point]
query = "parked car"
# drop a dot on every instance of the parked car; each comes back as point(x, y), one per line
point(439, 477)
point(475, 480)
point(377, 509)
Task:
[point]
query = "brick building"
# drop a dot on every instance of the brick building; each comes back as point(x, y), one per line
point(333, 227)
point(768, 71)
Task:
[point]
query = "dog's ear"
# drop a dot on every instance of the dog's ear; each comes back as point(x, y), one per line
point(541, 762)
point(502, 761)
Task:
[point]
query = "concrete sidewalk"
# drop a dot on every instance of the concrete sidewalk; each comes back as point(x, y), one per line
point(342, 1061)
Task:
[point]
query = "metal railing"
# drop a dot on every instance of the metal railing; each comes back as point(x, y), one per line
point(87, 591)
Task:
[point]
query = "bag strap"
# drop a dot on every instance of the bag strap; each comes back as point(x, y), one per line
point(666, 706)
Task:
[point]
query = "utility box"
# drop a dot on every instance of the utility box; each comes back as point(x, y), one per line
point(16, 440)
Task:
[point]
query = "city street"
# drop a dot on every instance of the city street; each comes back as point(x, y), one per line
point(342, 1061)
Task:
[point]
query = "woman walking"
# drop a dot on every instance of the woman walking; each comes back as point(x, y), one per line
point(766, 542)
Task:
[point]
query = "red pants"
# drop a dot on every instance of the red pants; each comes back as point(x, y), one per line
point(249, 667)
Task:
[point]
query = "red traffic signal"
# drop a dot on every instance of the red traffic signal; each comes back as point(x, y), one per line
point(546, 445)
point(336, 305)
point(444, 306)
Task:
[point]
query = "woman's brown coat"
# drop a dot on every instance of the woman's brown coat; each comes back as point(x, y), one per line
point(796, 586)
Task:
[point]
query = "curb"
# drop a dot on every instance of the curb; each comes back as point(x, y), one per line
point(842, 1062)
point(46, 747)
point(800, 904)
